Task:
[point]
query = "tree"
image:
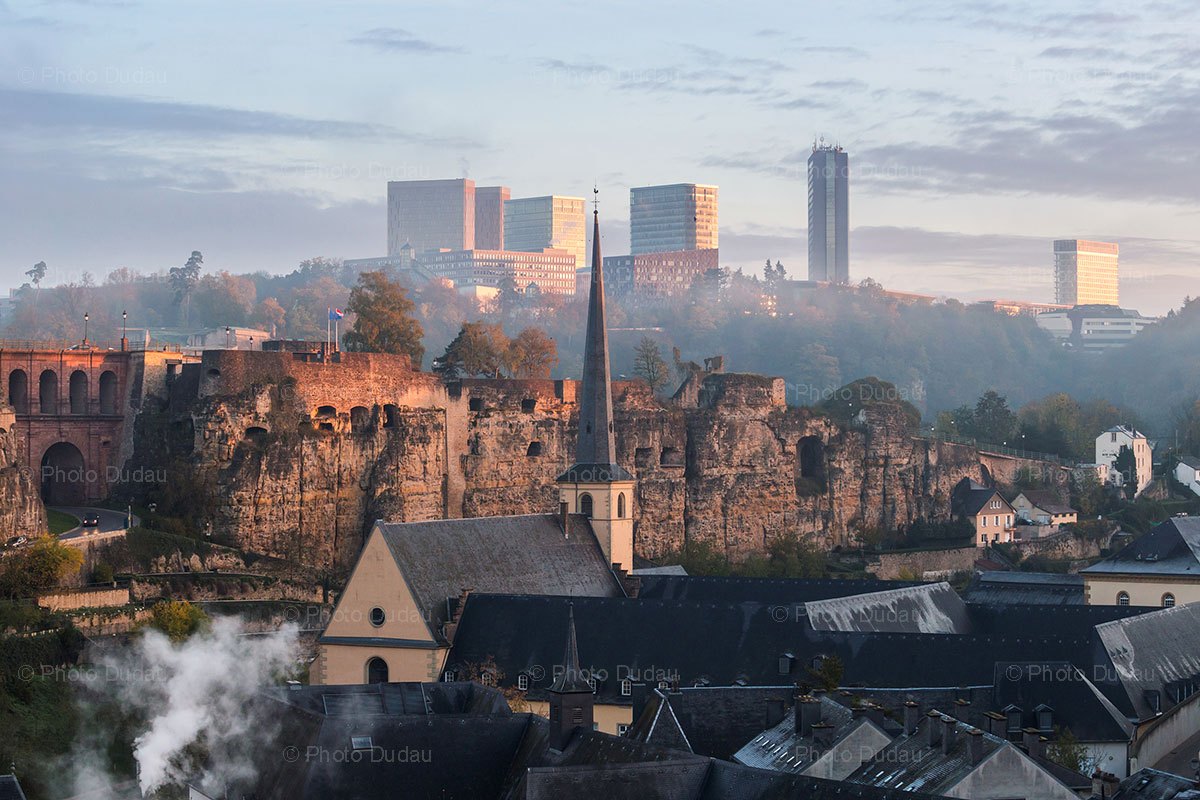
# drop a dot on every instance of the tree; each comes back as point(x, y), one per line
point(183, 282)
point(993, 421)
point(269, 316)
point(828, 675)
point(384, 320)
point(648, 364)
point(36, 275)
point(1067, 751)
point(1125, 465)
point(479, 349)
point(178, 619)
point(780, 272)
point(224, 299)
point(532, 354)
point(38, 567)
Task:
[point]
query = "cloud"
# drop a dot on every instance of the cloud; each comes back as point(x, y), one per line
point(36, 109)
point(1089, 53)
point(398, 40)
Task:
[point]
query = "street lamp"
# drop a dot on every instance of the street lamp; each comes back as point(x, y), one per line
point(86, 317)
point(227, 337)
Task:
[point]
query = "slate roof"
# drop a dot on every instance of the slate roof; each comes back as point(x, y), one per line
point(1151, 784)
point(393, 699)
point(718, 720)
point(527, 553)
point(1026, 588)
point(928, 608)
point(782, 748)
point(702, 589)
point(1075, 701)
point(1190, 461)
point(909, 762)
point(1050, 621)
point(1170, 548)
point(1154, 652)
point(736, 782)
point(969, 498)
point(10, 788)
point(722, 644)
point(1048, 500)
point(658, 724)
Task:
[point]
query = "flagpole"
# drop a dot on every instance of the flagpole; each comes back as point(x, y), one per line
point(328, 321)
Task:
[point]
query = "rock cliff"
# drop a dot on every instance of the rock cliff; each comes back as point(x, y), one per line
point(21, 509)
point(296, 459)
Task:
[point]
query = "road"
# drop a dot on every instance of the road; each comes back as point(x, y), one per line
point(112, 523)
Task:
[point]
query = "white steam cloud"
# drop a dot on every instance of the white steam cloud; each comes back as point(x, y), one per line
point(194, 695)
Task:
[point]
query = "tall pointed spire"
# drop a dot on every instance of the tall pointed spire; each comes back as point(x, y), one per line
point(595, 450)
point(571, 679)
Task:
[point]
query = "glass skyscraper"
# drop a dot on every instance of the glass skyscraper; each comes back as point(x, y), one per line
point(431, 215)
point(532, 224)
point(1085, 273)
point(679, 216)
point(828, 214)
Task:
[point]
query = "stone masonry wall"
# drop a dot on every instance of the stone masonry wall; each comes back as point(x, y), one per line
point(21, 509)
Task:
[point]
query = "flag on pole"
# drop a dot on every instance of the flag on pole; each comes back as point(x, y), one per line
point(335, 314)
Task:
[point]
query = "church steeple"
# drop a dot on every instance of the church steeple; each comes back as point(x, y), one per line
point(572, 704)
point(596, 485)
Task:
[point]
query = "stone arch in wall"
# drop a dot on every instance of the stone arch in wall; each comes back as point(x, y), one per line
point(64, 475)
point(48, 392)
point(18, 391)
point(108, 392)
point(78, 392)
point(810, 464)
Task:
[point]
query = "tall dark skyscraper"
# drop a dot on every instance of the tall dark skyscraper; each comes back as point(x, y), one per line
point(828, 214)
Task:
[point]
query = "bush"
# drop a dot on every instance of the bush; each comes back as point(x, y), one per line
point(38, 567)
point(102, 573)
point(178, 619)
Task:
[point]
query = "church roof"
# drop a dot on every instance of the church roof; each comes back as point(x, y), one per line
point(570, 678)
point(522, 554)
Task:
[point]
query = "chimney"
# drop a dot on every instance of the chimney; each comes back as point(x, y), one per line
point(975, 746)
point(933, 729)
point(822, 733)
point(1112, 785)
point(638, 693)
point(997, 724)
point(564, 519)
point(875, 714)
point(912, 715)
point(808, 714)
point(949, 735)
point(1097, 785)
point(1031, 739)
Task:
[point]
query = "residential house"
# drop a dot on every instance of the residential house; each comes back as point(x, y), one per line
point(992, 517)
point(1044, 507)
point(1187, 472)
point(1108, 446)
point(1161, 568)
point(1146, 784)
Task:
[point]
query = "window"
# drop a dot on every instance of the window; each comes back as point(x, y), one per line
point(626, 687)
point(621, 506)
point(360, 743)
point(377, 670)
point(487, 678)
point(377, 616)
point(523, 682)
point(577, 715)
point(1168, 600)
point(448, 676)
point(585, 505)
point(663, 685)
point(622, 729)
point(1122, 598)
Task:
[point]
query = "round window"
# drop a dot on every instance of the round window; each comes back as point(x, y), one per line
point(377, 616)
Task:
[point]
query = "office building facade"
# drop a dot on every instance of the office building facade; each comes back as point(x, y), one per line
point(532, 224)
point(550, 270)
point(828, 214)
point(648, 277)
point(489, 216)
point(679, 216)
point(431, 215)
point(1085, 273)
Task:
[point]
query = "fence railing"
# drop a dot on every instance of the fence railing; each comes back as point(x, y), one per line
point(989, 447)
point(75, 344)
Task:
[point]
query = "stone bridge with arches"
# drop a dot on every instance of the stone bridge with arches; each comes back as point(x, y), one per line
point(74, 409)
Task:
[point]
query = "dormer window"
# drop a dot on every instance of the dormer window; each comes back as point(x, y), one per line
point(523, 682)
point(626, 687)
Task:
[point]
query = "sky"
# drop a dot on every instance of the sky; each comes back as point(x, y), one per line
point(263, 133)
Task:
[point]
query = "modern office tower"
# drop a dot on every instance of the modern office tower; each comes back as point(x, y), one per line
point(828, 214)
point(1085, 273)
point(489, 216)
point(679, 216)
point(431, 215)
point(652, 277)
point(532, 224)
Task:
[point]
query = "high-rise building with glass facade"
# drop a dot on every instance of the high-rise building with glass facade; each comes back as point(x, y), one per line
point(828, 214)
point(679, 216)
point(431, 215)
point(1085, 273)
point(532, 224)
point(489, 216)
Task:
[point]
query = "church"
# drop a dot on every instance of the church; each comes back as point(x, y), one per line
point(396, 618)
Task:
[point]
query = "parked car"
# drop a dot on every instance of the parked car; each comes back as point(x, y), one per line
point(91, 521)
